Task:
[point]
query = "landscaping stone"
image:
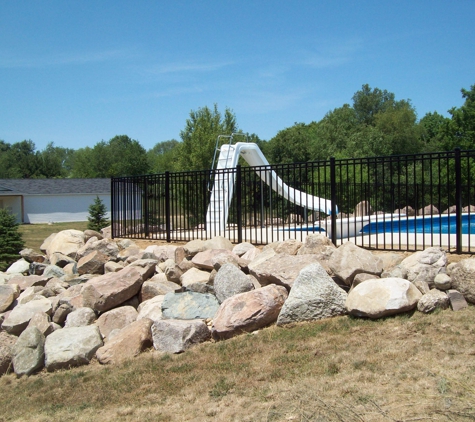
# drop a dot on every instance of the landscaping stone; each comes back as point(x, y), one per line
point(151, 309)
point(23, 282)
point(70, 347)
point(67, 242)
point(126, 344)
point(22, 266)
point(382, 297)
point(117, 318)
point(92, 263)
point(156, 286)
point(7, 342)
point(145, 267)
point(314, 295)
point(28, 352)
point(175, 336)
point(246, 312)
point(241, 248)
point(456, 299)
point(42, 322)
point(189, 305)
point(442, 282)
point(196, 280)
point(425, 265)
point(20, 316)
point(230, 281)
point(109, 290)
point(281, 269)
point(349, 260)
point(432, 300)
point(80, 318)
point(8, 293)
point(463, 278)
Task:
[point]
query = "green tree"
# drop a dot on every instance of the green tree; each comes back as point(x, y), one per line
point(97, 215)
point(433, 132)
point(55, 162)
point(163, 156)
point(120, 156)
point(461, 129)
point(11, 242)
point(368, 102)
point(19, 160)
point(199, 137)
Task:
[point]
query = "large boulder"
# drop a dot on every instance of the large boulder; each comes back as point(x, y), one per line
point(462, 277)
point(92, 263)
point(248, 311)
point(425, 265)
point(151, 309)
point(20, 316)
point(128, 343)
point(280, 269)
point(382, 297)
point(67, 242)
point(349, 260)
point(71, 347)
point(175, 336)
point(114, 319)
point(80, 318)
point(189, 305)
point(196, 280)
point(314, 296)
point(22, 266)
point(230, 281)
point(204, 260)
point(8, 293)
point(156, 286)
point(110, 290)
point(29, 352)
point(146, 267)
point(104, 246)
point(317, 244)
point(23, 281)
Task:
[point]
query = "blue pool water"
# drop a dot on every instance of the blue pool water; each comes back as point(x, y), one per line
point(443, 224)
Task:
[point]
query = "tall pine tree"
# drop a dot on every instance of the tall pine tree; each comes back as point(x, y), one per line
point(11, 242)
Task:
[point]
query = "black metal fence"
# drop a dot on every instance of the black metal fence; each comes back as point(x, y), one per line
point(404, 203)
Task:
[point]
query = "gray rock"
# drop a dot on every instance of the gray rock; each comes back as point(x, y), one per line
point(463, 278)
point(317, 244)
point(189, 305)
point(104, 246)
point(60, 260)
point(194, 246)
point(425, 265)
point(218, 242)
point(382, 297)
point(146, 267)
point(28, 352)
point(442, 282)
point(42, 322)
point(32, 256)
point(175, 336)
point(456, 299)
point(349, 260)
point(434, 299)
point(289, 246)
point(423, 286)
point(80, 318)
point(20, 316)
point(61, 313)
point(313, 296)
point(241, 248)
point(248, 311)
point(71, 347)
point(53, 271)
point(230, 281)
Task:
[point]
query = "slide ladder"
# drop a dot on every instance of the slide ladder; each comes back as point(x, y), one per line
point(223, 187)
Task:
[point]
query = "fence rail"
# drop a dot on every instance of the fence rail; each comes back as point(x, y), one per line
point(404, 203)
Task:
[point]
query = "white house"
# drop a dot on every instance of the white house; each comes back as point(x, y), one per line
point(53, 200)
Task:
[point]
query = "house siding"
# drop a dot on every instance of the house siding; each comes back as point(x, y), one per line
point(60, 208)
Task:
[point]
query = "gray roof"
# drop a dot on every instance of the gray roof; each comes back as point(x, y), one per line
point(54, 186)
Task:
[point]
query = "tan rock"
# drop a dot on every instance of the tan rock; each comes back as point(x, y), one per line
point(116, 318)
point(246, 312)
point(92, 263)
point(128, 343)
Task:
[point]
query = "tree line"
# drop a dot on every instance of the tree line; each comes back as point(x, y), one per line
point(374, 124)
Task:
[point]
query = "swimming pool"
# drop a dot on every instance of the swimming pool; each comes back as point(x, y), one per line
point(436, 224)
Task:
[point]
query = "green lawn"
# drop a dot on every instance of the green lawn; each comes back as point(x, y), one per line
point(35, 234)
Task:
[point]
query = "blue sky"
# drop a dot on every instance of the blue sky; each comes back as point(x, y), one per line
point(78, 72)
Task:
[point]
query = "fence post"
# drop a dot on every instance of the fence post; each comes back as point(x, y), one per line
point(333, 197)
point(167, 205)
point(239, 202)
point(147, 211)
point(458, 201)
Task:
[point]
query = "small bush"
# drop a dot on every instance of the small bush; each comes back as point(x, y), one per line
point(11, 242)
point(96, 218)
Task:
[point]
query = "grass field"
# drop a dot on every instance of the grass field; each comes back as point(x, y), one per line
point(412, 367)
point(35, 234)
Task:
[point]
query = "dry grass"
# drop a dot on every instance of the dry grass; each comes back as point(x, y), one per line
point(405, 368)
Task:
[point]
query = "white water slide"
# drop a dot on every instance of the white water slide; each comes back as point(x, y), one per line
point(223, 188)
